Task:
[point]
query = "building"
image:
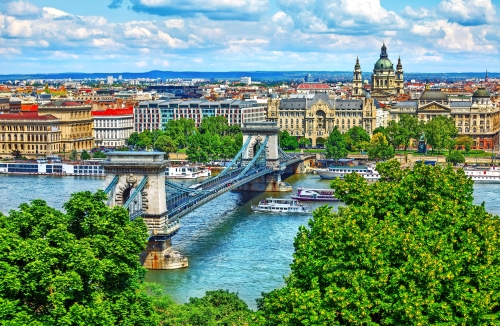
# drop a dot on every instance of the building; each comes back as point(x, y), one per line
point(76, 124)
point(315, 115)
point(15, 105)
point(246, 80)
point(151, 115)
point(29, 133)
point(4, 105)
point(110, 80)
point(112, 127)
point(478, 117)
point(386, 82)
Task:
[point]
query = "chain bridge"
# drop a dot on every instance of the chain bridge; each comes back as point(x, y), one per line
point(136, 181)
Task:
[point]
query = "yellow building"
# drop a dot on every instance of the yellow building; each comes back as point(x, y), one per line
point(30, 134)
point(76, 124)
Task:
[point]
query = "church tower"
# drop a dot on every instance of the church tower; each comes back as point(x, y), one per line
point(357, 80)
point(399, 81)
point(383, 77)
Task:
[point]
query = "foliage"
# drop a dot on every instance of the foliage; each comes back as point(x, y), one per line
point(84, 155)
point(379, 148)
point(288, 142)
point(382, 130)
point(180, 130)
point(304, 142)
point(455, 157)
point(16, 153)
point(336, 145)
point(410, 129)
point(134, 139)
point(99, 154)
point(73, 268)
point(73, 154)
point(218, 125)
point(165, 144)
point(439, 132)
point(409, 249)
point(466, 142)
point(355, 136)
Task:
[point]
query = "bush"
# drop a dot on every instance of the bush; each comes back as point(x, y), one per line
point(455, 157)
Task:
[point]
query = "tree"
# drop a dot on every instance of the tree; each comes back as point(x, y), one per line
point(409, 249)
point(466, 142)
point(80, 267)
point(455, 157)
point(134, 139)
point(288, 142)
point(410, 128)
point(357, 135)
point(381, 130)
point(165, 144)
point(85, 155)
point(379, 148)
point(180, 130)
point(336, 145)
point(99, 154)
point(73, 154)
point(395, 134)
point(440, 131)
point(16, 154)
point(304, 142)
point(214, 125)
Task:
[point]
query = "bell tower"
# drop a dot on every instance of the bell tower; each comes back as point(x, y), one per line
point(357, 80)
point(399, 81)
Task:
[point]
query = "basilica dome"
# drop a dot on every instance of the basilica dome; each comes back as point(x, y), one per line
point(383, 63)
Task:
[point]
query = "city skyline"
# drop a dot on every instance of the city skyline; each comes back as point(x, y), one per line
point(246, 35)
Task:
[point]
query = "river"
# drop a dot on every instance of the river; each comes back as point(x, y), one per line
point(228, 246)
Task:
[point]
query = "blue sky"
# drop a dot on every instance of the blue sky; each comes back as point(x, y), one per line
point(43, 36)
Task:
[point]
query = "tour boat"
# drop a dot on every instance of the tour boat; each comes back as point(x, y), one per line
point(186, 172)
point(277, 205)
point(334, 172)
point(491, 175)
point(304, 194)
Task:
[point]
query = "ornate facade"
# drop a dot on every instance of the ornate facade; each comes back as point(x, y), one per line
point(357, 80)
point(315, 115)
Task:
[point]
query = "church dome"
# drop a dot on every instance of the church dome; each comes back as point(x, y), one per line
point(383, 64)
point(481, 92)
point(433, 95)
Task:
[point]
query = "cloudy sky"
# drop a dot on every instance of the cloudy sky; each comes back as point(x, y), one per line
point(42, 36)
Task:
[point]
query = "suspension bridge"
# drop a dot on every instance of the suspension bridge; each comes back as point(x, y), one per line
point(136, 181)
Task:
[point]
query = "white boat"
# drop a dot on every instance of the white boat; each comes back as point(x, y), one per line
point(186, 172)
point(278, 205)
point(304, 194)
point(333, 172)
point(491, 175)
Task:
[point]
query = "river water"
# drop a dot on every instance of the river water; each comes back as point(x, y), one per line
point(229, 247)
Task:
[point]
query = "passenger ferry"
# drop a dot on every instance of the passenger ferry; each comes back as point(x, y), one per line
point(88, 169)
point(275, 205)
point(304, 194)
point(334, 172)
point(186, 172)
point(484, 176)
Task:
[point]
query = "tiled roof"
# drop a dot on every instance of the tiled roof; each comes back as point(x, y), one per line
point(114, 112)
point(314, 86)
point(29, 108)
point(27, 116)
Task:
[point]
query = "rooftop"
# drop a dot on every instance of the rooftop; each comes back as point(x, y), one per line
point(317, 86)
point(27, 116)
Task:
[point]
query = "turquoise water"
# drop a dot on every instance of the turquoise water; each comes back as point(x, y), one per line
point(228, 246)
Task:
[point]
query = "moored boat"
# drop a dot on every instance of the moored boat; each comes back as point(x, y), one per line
point(491, 175)
point(186, 172)
point(305, 194)
point(279, 205)
point(334, 172)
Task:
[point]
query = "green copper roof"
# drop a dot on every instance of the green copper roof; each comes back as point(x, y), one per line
point(383, 64)
point(481, 92)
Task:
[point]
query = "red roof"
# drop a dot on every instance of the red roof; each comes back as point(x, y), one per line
point(29, 108)
point(26, 116)
point(114, 112)
point(314, 86)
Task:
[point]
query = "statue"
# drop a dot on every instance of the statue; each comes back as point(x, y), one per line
point(422, 147)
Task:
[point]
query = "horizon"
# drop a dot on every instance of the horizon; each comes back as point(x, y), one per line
point(55, 36)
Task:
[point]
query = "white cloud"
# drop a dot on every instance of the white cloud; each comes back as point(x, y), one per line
point(416, 14)
point(144, 50)
point(52, 13)
point(9, 51)
point(22, 9)
point(16, 28)
point(78, 34)
point(141, 64)
point(107, 43)
point(468, 12)
point(137, 32)
point(172, 41)
point(174, 23)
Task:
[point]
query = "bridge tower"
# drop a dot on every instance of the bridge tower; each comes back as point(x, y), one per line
point(136, 181)
point(257, 132)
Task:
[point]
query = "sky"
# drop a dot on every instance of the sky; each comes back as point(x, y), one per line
point(49, 36)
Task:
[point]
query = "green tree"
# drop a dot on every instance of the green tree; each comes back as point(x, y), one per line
point(73, 154)
point(133, 139)
point(304, 142)
point(16, 154)
point(336, 145)
point(379, 148)
point(382, 130)
point(85, 155)
point(357, 135)
point(165, 144)
point(455, 157)
point(410, 128)
point(411, 249)
point(395, 134)
point(180, 130)
point(288, 142)
point(214, 125)
point(439, 132)
point(466, 142)
point(99, 154)
point(80, 267)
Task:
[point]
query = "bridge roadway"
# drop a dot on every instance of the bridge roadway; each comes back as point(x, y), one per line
point(181, 204)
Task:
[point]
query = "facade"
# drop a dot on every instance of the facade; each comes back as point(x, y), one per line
point(4, 105)
point(76, 124)
point(151, 115)
point(478, 117)
point(314, 116)
point(386, 81)
point(112, 127)
point(29, 133)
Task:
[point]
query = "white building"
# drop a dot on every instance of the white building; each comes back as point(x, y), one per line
point(246, 80)
point(110, 80)
point(112, 127)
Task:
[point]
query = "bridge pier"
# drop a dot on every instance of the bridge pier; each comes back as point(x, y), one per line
point(267, 183)
point(160, 255)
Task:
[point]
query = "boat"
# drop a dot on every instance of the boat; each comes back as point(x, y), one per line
point(88, 168)
point(278, 205)
point(333, 172)
point(491, 175)
point(305, 194)
point(186, 172)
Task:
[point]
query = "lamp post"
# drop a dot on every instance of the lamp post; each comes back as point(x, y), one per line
point(64, 152)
